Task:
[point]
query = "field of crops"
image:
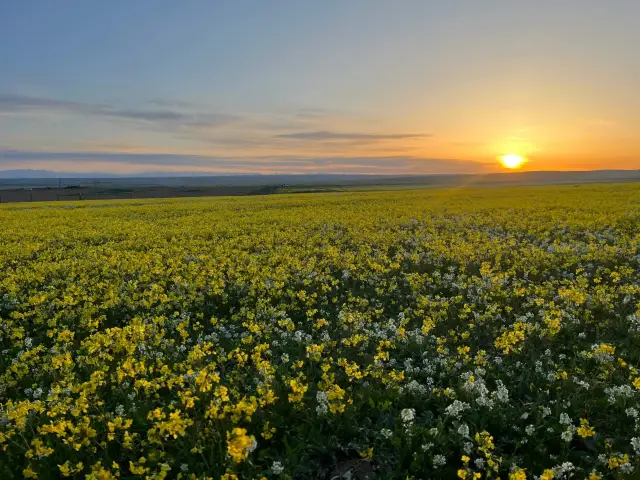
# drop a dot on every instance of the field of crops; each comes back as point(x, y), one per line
point(490, 333)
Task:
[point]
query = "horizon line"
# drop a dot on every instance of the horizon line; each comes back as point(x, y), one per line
point(200, 174)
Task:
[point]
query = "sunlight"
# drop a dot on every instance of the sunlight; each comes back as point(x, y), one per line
point(512, 161)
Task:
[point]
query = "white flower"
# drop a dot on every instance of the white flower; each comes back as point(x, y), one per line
point(463, 430)
point(560, 470)
point(277, 468)
point(323, 402)
point(502, 394)
point(253, 446)
point(626, 468)
point(635, 443)
point(530, 430)
point(565, 419)
point(386, 433)
point(613, 393)
point(567, 435)
point(408, 414)
point(456, 408)
point(484, 401)
point(439, 461)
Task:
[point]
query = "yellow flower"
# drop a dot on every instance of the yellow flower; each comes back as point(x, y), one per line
point(268, 431)
point(298, 389)
point(175, 426)
point(615, 462)
point(511, 339)
point(239, 444)
point(314, 351)
point(98, 472)
point(485, 442)
point(636, 383)
point(465, 459)
point(66, 469)
point(518, 474)
point(138, 469)
point(462, 474)
point(547, 475)
point(368, 453)
point(585, 430)
point(28, 473)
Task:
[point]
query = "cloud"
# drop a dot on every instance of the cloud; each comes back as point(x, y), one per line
point(309, 131)
point(469, 143)
point(11, 103)
point(263, 164)
point(317, 113)
point(324, 135)
point(164, 102)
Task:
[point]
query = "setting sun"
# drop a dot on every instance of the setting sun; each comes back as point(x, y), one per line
point(512, 160)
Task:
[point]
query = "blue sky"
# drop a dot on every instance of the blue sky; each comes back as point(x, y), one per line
point(302, 86)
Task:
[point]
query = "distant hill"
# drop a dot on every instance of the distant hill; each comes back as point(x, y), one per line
point(47, 178)
point(28, 174)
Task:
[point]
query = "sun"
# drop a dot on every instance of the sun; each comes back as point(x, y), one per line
point(512, 161)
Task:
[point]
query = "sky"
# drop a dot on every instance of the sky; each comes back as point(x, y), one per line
point(332, 86)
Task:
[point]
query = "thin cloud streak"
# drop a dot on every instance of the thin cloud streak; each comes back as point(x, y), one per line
point(12, 104)
point(265, 164)
point(327, 135)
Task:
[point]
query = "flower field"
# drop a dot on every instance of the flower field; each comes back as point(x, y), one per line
point(490, 333)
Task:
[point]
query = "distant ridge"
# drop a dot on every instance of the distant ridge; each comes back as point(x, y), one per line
point(32, 173)
point(16, 179)
point(52, 186)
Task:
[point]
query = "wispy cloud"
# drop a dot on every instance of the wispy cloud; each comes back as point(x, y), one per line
point(184, 126)
point(312, 113)
point(324, 135)
point(469, 143)
point(165, 102)
point(12, 103)
point(260, 164)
